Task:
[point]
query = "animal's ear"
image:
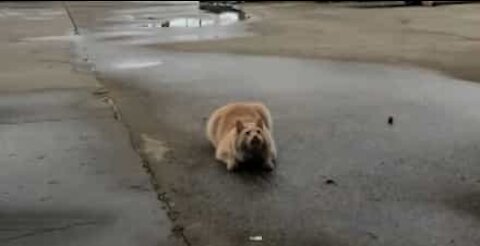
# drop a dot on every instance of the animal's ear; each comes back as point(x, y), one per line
point(260, 123)
point(239, 125)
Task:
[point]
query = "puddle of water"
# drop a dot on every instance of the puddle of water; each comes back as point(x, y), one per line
point(222, 15)
point(230, 17)
point(222, 19)
point(167, 22)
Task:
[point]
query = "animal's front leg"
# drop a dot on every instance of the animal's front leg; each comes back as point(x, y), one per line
point(225, 157)
point(269, 164)
point(231, 164)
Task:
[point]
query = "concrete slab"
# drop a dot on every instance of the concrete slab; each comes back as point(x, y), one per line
point(345, 176)
point(68, 174)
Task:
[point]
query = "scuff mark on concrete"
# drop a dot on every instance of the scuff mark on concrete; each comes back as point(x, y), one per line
point(153, 148)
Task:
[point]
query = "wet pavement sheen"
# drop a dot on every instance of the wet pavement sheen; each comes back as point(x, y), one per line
point(347, 174)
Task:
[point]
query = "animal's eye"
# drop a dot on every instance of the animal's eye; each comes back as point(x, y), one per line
point(248, 132)
point(258, 131)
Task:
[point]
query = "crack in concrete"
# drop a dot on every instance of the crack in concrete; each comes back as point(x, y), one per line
point(113, 106)
point(163, 198)
point(70, 16)
point(172, 214)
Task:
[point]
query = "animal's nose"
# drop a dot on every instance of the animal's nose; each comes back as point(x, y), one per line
point(255, 140)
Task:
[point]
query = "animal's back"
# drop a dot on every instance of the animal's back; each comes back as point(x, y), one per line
point(223, 120)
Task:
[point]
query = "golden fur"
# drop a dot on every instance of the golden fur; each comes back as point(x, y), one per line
point(242, 131)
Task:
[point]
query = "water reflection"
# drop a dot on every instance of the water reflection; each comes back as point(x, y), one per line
point(166, 23)
point(223, 15)
point(223, 19)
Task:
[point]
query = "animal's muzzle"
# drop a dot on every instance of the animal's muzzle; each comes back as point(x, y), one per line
point(256, 141)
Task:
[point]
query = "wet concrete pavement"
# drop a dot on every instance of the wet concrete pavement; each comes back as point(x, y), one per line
point(345, 176)
point(69, 176)
point(130, 23)
point(68, 173)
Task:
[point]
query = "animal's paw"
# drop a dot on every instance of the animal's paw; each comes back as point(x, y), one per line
point(231, 165)
point(270, 165)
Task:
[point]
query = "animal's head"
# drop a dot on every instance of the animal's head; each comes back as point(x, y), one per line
point(251, 136)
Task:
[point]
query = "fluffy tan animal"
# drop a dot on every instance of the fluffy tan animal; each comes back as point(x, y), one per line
point(242, 133)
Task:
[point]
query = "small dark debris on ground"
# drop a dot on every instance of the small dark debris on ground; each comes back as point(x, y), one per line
point(390, 120)
point(330, 182)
